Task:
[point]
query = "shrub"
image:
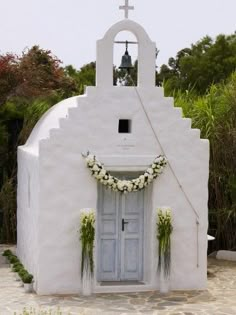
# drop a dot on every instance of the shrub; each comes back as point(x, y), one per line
point(7, 253)
point(27, 277)
point(18, 264)
point(22, 273)
point(17, 268)
point(13, 259)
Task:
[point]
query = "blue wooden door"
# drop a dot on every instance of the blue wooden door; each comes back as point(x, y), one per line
point(108, 235)
point(120, 235)
point(132, 236)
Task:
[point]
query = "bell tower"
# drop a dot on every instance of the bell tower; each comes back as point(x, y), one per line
point(146, 53)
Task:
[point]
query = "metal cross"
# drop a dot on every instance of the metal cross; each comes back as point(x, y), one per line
point(126, 8)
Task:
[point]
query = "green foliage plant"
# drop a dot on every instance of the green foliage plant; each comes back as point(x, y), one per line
point(164, 230)
point(215, 115)
point(27, 277)
point(13, 259)
point(7, 253)
point(22, 273)
point(87, 236)
point(208, 61)
point(17, 267)
point(8, 205)
point(17, 264)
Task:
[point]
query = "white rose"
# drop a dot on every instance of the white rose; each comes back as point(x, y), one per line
point(110, 181)
point(95, 168)
point(140, 185)
point(120, 185)
point(158, 160)
point(100, 176)
point(150, 170)
point(90, 157)
point(142, 178)
point(102, 172)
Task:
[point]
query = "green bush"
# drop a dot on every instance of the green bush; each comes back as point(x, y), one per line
point(13, 259)
point(22, 273)
point(27, 277)
point(18, 264)
point(7, 253)
point(17, 268)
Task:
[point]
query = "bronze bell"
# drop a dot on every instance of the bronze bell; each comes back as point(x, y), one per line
point(126, 62)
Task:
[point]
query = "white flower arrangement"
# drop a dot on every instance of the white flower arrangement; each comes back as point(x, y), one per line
point(164, 230)
point(87, 237)
point(125, 186)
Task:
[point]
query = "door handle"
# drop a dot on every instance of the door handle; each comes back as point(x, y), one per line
point(123, 224)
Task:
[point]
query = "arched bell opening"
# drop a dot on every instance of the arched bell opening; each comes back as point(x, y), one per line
point(125, 59)
point(146, 55)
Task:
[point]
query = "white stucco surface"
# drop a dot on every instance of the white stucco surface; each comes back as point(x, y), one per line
point(226, 255)
point(61, 185)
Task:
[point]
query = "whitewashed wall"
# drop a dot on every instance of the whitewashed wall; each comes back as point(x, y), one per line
point(90, 122)
point(27, 209)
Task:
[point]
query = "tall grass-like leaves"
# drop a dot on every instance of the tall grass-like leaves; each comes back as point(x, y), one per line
point(215, 115)
point(87, 236)
point(8, 204)
point(30, 114)
point(164, 230)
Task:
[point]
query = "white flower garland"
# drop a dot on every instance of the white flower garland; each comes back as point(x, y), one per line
point(124, 186)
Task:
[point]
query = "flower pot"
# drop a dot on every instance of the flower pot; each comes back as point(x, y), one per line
point(164, 285)
point(86, 284)
point(28, 287)
point(164, 280)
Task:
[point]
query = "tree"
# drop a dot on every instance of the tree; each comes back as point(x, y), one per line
point(205, 63)
point(9, 76)
point(86, 76)
point(37, 73)
point(42, 74)
point(29, 85)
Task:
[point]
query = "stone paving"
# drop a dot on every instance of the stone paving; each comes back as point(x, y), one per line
point(219, 299)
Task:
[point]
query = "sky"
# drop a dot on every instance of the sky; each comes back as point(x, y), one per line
point(71, 28)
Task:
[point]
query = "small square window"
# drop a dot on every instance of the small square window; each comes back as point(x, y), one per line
point(124, 126)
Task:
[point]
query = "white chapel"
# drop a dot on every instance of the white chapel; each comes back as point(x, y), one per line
point(54, 183)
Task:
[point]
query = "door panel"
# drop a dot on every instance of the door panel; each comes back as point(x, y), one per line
point(120, 253)
point(108, 248)
point(108, 235)
point(132, 238)
point(131, 257)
